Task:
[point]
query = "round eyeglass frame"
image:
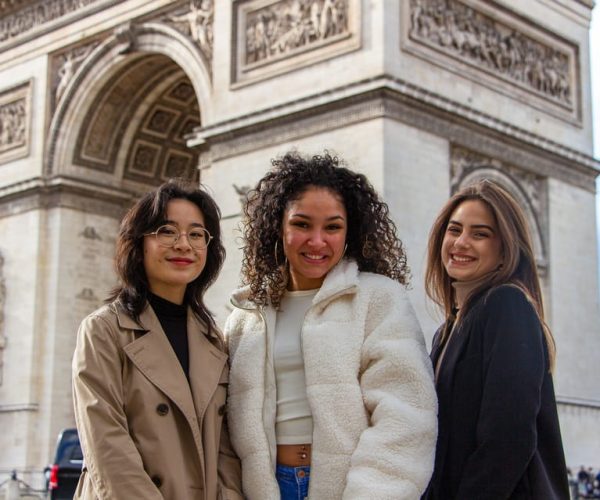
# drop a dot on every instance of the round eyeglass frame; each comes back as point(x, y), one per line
point(179, 234)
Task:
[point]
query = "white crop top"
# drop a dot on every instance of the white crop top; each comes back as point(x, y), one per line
point(293, 424)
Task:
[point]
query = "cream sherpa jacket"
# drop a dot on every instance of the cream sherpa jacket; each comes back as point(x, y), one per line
point(369, 384)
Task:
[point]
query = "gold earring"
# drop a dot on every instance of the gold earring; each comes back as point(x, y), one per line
point(276, 254)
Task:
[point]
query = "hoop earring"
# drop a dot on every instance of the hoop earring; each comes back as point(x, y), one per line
point(366, 249)
point(276, 254)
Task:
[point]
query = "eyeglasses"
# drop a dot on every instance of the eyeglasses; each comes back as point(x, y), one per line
point(168, 236)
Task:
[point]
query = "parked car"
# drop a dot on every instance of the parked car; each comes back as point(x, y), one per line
point(66, 468)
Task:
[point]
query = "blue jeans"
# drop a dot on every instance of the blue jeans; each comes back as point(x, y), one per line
point(293, 482)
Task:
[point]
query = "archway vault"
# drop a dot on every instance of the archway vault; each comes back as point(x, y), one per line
point(122, 117)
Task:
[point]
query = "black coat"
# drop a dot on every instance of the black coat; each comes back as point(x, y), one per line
point(499, 436)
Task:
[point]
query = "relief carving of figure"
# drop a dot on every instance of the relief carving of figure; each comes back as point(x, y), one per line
point(12, 124)
point(70, 62)
point(291, 25)
point(460, 29)
point(199, 21)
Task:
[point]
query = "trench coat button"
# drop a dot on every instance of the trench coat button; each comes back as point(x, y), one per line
point(221, 410)
point(157, 481)
point(162, 409)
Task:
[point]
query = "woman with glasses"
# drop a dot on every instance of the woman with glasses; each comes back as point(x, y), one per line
point(150, 370)
point(499, 436)
point(331, 389)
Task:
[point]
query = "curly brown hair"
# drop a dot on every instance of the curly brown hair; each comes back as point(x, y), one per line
point(371, 238)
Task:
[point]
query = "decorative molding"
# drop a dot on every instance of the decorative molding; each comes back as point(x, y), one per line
point(464, 162)
point(498, 48)
point(276, 36)
point(42, 16)
point(16, 407)
point(2, 304)
point(15, 121)
point(195, 21)
point(67, 192)
point(402, 101)
point(573, 402)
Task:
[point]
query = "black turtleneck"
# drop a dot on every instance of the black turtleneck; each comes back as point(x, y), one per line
point(173, 319)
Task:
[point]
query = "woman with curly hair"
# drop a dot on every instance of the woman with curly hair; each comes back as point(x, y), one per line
point(150, 368)
point(499, 436)
point(331, 392)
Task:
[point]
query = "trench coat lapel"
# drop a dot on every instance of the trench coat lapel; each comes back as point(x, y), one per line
point(153, 355)
point(207, 365)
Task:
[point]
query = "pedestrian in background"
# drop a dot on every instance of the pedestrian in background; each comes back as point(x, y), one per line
point(499, 435)
point(331, 389)
point(150, 370)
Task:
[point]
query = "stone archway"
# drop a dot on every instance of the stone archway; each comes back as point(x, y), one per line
point(123, 115)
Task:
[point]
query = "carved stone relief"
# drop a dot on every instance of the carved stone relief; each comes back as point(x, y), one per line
point(2, 302)
point(65, 65)
point(288, 26)
point(15, 105)
point(36, 14)
point(270, 32)
point(524, 55)
point(195, 21)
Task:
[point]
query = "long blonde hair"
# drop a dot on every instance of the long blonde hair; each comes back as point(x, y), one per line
point(518, 263)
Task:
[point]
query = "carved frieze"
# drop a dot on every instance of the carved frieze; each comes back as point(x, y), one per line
point(15, 106)
point(36, 14)
point(195, 21)
point(276, 36)
point(498, 43)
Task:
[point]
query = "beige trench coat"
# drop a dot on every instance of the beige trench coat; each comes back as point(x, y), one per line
point(146, 432)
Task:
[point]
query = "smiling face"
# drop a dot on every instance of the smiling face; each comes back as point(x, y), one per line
point(169, 270)
point(314, 234)
point(471, 246)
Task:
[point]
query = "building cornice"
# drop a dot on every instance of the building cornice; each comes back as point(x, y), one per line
point(578, 402)
point(65, 192)
point(388, 97)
